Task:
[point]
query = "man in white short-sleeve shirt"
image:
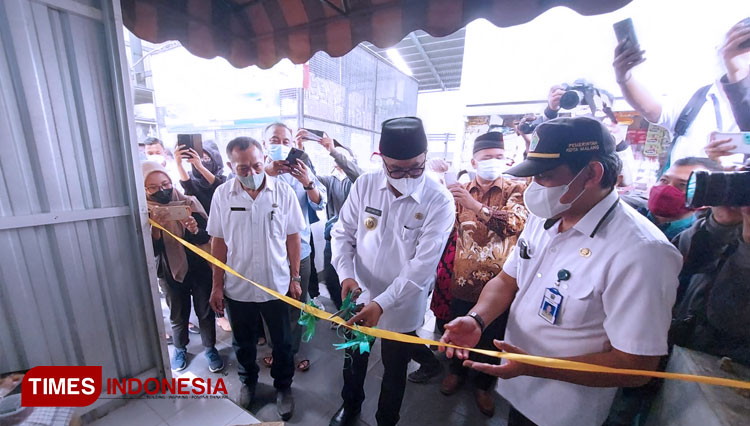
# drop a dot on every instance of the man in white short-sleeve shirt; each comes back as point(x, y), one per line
point(255, 223)
point(589, 280)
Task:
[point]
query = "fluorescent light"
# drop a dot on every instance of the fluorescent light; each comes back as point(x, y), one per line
point(398, 61)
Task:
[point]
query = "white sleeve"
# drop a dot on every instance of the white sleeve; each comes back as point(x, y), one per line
point(670, 112)
point(344, 234)
point(430, 245)
point(639, 298)
point(214, 228)
point(295, 222)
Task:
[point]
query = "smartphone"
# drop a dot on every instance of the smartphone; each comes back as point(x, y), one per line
point(741, 140)
point(172, 212)
point(194, 142)
point(314, 135)
point(745, 44)
point(450, 177)
point(625, 32)
point(294, 155)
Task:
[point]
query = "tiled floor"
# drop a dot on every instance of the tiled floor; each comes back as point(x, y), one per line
point(317, 392)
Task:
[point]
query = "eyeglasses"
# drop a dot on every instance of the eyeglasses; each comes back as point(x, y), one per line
point(414, 172)
point(153, 188)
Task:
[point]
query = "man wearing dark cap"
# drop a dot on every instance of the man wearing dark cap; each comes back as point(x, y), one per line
point(589, 280)
point(387, 243)
point(490, 216)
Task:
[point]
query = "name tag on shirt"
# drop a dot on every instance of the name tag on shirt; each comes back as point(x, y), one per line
point(550, 307)
point(374, 211)
point(237, 209)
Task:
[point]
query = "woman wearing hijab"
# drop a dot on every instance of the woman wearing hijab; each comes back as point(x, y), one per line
point(186, 274)
point(207, 173)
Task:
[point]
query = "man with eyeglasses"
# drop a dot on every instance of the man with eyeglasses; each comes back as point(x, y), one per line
point(387, 243)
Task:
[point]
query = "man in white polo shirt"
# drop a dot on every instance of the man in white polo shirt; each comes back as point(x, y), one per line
point(255, 223)
point(589, 280)
point(389, 238)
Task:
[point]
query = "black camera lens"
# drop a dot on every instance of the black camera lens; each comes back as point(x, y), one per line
point(718, 189)
point(570, 99)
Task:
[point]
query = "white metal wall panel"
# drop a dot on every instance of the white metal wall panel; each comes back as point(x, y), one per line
point(74, 283)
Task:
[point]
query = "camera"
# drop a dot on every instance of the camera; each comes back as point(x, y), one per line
point(730, 189)
point(528, 127)
point(579, 92)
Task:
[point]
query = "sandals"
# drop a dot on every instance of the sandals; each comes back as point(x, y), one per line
point(303, 365)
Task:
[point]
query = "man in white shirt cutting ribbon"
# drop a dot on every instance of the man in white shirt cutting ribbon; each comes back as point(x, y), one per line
point(589, 280)
point(389, 238)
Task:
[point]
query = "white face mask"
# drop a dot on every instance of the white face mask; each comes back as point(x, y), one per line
point(278, 152)
point(407, 185)
point(545, 202)
point(491, 169)
point(252, 182)
point(157, 158)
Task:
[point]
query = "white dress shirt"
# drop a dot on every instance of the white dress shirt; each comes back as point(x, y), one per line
point(622, 285)
point(394, 261)
point(255, 233)
point(694, 142)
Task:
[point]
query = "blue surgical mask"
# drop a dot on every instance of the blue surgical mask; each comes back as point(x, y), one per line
point(252, 182)
point(278, 152)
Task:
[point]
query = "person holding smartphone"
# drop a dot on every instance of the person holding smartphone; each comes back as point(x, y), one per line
point(207, 173)
point(311, 195)
point(187, 275)
point(716, 114)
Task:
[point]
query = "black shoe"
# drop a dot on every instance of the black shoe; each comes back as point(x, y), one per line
point(345, 416)
point(285, 403)
point(246, 396)
point(425, 373)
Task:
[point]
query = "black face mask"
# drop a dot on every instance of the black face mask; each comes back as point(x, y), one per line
point(162, 196)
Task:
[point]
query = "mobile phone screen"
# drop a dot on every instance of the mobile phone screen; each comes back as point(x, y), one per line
point(625, 32)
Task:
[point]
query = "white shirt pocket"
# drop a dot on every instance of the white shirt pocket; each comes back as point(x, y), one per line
point(578, 303)
point(408, 241)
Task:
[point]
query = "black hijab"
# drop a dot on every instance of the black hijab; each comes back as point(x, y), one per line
point(216, 167)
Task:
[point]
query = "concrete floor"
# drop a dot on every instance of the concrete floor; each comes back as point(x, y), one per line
point(317, 391)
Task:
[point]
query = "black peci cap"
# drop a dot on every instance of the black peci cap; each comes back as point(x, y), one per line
point(488, 140)
point(557, 141)
point(403, 138)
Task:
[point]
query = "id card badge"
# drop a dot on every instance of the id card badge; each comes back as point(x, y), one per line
point(551, 303)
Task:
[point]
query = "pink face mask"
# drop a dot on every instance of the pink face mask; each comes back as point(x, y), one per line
point(667, 201)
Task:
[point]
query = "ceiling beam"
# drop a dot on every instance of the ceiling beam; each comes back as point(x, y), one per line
point(426, 58)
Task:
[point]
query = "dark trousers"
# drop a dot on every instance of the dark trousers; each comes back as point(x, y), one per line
point(312, 287)
point(494, 330)
point(331, 276)
point(515, 418)
point(305, 266)
point(244, 318)
point(178, 295)
point(424, 356)
point(395, 356)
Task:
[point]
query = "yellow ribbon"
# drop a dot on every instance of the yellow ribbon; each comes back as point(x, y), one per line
point(539, 361)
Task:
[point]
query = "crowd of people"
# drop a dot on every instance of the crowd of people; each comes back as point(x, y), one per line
point(545, 257)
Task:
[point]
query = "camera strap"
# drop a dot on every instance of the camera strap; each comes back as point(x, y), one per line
point(686, 118)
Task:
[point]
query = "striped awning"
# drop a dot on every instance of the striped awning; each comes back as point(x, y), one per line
point(261, 32)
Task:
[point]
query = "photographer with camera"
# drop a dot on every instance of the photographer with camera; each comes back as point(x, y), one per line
point(712, 311)
point(693, 122)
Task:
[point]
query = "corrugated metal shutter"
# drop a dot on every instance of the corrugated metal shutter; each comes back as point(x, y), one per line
point(74, 283)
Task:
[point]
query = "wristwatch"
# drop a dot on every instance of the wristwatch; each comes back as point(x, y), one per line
point(485, 213)
point(478, 319)
point(309, 187)
point(298, 278)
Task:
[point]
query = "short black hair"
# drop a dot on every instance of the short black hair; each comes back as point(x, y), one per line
point(277, 124)
point(708, 163)
point(153, 141)
point(612, 167)
point(242, 143)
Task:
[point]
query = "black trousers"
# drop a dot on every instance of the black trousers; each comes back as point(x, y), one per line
point(515, 418)
point(178, 295)
point(395, 356)
point(244, 318)
point(494, 330)
point(331, 276)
